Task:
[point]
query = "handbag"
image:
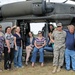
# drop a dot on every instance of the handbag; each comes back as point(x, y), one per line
point(8, 63)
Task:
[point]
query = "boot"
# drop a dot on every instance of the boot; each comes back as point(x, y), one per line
point(54, 69)
point(59, 69)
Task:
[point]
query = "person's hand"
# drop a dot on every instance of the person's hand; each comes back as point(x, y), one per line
point(13, 27)
point(16, 48)
point(49, 42)
point(49, 34)
point(31, 45)
point(39, 47)
point(8, 50)
point(21, 47)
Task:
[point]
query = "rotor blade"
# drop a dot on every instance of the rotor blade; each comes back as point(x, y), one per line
point(72, 0)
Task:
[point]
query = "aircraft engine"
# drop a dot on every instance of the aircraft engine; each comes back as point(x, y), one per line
point(23, 8)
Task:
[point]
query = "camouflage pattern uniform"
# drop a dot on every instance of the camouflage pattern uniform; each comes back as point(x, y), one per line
point(59, 47)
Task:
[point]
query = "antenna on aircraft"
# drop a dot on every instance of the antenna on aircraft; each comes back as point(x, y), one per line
point(65, 1)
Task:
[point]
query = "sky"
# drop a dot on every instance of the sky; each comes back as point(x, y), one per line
point(38, 26)
point(10, 1)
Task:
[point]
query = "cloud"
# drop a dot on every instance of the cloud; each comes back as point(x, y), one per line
point(10, 1)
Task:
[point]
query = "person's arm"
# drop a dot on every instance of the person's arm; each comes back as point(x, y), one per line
point(8, 45)
point(52, 40)
point(49, 42)
point(7, 41)
point(52, 37)
point(35, 44)
point(13, 27)
point(44, 43)
point(21, 43)
point(15, 43)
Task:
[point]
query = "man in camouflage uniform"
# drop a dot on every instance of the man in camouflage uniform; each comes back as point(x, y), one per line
point(58, 37)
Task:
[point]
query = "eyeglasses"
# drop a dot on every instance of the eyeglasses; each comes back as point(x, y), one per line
point(58, 26)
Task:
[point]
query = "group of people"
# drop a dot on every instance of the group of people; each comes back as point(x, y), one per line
point(11, 45)
point(61, 43)
point(37, 45)
point(64, 47)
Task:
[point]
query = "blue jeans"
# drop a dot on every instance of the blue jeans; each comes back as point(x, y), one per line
point(50, 49)
point(70, 54)
point(18, 57)
point(34, 54)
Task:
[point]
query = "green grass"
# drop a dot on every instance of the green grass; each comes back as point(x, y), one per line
point(37, 70)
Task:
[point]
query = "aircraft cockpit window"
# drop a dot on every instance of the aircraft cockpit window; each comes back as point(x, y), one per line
point(72, 10)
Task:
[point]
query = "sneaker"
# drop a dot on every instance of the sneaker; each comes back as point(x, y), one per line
point(22, 67)
point(17, 67)
point(0, 70)
point(54, 69)
point(26, 63)
point(68, 69)
point(74, 70)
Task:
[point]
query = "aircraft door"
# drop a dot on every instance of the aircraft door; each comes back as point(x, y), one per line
point(25, 28)
point(45, 31)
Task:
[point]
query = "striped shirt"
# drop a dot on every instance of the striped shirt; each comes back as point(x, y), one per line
point(40, 42)
point(1, 43)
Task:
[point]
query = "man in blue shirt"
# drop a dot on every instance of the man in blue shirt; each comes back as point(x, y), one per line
point(70, 49)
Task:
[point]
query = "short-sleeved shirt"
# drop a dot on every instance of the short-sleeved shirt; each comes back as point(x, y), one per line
point(9, 37)
point(59, 38)
point(40, 42)
point(70, 41)
point(18, 39)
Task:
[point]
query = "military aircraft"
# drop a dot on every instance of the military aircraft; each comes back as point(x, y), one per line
point(38, 10)
point(29, 11)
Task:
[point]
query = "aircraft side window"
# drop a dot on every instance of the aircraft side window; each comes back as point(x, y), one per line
point(72, 10)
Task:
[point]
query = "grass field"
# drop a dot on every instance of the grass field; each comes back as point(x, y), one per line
point(37, 70)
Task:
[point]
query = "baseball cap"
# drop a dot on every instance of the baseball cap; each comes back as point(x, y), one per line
point(59, 24)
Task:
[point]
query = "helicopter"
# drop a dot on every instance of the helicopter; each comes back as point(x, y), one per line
point(38, 10)
point(26, 12)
